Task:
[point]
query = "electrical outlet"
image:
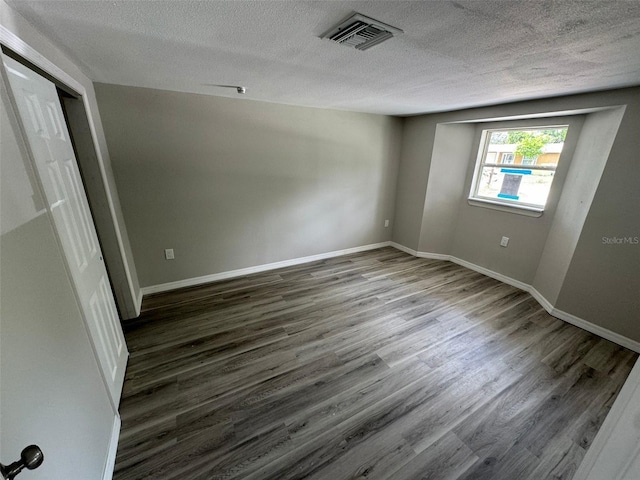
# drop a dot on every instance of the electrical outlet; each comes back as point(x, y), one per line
point(386, 223)
point(168, 254)
point(504, 242)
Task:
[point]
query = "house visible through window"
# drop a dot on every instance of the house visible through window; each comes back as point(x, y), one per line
point(532, 156)
point(507, 158)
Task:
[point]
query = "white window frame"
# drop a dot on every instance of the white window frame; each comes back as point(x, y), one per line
point(505, 204)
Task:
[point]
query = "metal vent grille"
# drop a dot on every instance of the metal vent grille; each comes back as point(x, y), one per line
point(361, 32)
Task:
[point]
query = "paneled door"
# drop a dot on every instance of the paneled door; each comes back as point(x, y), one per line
point(47, 136)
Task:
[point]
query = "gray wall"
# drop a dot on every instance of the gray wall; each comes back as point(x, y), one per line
point(415, 161)
point(448, 224)
point(51, 391)
point(602, 284)
point(235, 183)
point(479, 230)
point(446, 187)
point(128, 285)
point(587, 165)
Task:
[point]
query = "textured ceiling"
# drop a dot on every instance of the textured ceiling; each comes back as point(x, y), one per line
point(453, 54)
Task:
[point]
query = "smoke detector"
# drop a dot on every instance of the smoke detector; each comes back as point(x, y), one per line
point(361, 32)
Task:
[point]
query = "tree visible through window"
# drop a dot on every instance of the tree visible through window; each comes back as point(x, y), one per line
point(517, 167)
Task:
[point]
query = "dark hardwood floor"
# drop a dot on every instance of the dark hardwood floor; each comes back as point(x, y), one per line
point(376, 365)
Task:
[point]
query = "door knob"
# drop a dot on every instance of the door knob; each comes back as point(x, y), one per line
point(30, 458)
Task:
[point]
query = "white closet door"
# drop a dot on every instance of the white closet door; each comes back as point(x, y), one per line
point(48, 139)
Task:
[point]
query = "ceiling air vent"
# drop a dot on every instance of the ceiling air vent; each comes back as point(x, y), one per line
point(361, 32)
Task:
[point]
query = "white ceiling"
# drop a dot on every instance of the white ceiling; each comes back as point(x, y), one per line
point(453, 54)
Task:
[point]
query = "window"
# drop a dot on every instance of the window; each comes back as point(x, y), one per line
point(532, 157)
point(507, 158)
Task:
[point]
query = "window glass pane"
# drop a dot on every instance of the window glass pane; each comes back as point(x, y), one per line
point(520, 185)
point(520, 155)
point(534, 188)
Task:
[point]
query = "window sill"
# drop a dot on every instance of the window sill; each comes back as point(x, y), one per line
point(506, 207)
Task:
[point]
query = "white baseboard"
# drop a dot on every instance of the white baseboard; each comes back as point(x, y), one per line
point(597, 330)
point(542, 300)
point(584, 324)
point(139, 302)
point(435, 256)
point(464, 263)
point(490, 273)
point(113, 448)
point(546, 304)
point(415, 253)
point(241, 272)
point(404, 249)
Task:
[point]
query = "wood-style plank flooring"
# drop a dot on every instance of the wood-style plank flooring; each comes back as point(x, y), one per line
point(376, 365)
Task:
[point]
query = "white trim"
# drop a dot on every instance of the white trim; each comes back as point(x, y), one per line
point(113, 449)
point(490, 273)
point(505, 207)
point(535, 115)
point(546, 304)
point(241, 272)
point(110, 203)
point(464, 263)
point(434, 256)
point(597, 330)
point(139, 298)
point(542, 300)
point(404, 249)
point(15, 43)
point(584, 324)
